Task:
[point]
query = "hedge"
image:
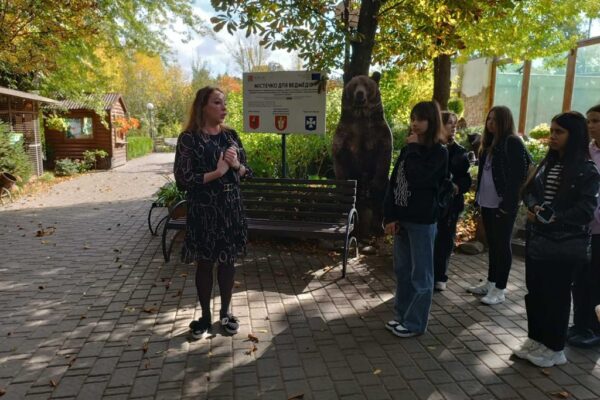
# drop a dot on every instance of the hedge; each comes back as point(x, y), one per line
point(138, 146)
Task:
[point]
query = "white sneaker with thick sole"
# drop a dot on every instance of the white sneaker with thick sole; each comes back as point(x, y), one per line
point(440, 286)
point(528, 346)
point(494, 296)
point(545, 357)
point(482, 289)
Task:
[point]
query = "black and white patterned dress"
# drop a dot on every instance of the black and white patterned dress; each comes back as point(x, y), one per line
point(216, 225)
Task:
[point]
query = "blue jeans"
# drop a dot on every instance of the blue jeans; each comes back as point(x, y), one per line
point(413, 266)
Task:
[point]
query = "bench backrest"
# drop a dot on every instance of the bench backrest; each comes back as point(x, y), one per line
point(298, 199)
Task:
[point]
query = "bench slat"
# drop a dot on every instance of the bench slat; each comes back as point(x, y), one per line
point(251, 187)
point(302, 181)
point(292, 215)
point(299, 196)
point(268, 205)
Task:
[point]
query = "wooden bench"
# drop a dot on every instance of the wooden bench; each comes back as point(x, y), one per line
point(294, 208)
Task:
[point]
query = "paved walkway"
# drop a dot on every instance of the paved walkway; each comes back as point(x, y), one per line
point(90, 311)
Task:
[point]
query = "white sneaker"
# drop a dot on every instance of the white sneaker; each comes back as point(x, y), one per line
point(482, 289)
point(494, 296)
point(545, 357)
point(440, 286)
point(527, 347)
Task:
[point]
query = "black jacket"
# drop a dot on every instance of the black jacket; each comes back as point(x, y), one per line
point(458, 165)
point(575, 209)
point(424, 169)
point(510, 161)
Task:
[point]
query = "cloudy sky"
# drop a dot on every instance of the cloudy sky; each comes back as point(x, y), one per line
point(212, 50)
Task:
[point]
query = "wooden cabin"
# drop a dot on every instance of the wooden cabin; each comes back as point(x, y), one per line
point(21, 110)
point(87, 132)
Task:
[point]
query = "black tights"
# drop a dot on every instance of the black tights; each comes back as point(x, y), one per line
point(204, 286)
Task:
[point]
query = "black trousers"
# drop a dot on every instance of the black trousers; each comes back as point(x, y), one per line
point(586, 291)
point(498, 230)
point(444, 244)
point(548, 301)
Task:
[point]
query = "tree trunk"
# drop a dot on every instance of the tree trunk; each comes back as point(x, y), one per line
point(362, 51)
point(441, 80)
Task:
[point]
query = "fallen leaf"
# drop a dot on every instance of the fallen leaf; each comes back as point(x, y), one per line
point(45, 232)
point(145, 347)
point(545, 372)
point(237, 284)
point(562, 395)
point(86, 247)
point(184, 275)
point(72, 361)
point(83, 317)
point(252, 350)
point(52, 383)
point(2, 391)
point(147, 364)
point(296, 397)
point(149, 310)
point(177, 294)
point(208, 377)
point(9, 333)
point(116, 259)
point(45, 242)
point(377, 371)
point(41, 287)
point(252, 338)
point(168, 285)
point(266, 318)
point(116, 250)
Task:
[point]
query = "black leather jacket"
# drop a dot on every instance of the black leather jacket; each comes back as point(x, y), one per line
point(575, 209)
point(458, 165)
point(510, 162)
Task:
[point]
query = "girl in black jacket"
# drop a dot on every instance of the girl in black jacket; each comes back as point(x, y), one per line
point(561, 198)
point(410, 214)
point(458, 168)
point(503, 164)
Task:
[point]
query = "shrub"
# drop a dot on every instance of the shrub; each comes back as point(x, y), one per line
point(68, 167)
point(46, 177)
point(90, 157)
point(57, 123)
point(537, 149)
point(13, 158)
point(138, 146)
point(541, 131)
point(170, 130)
point(457, 106)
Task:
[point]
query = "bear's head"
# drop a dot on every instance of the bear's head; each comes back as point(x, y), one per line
point(361, 96)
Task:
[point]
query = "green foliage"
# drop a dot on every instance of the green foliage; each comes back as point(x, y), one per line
point(170, 130)
point(59, 41)
point(46, 177)
point(457, 106)
point(68, 167)
point(540, 132)
point(138, 146)
point(57, 123)
point(90, 157)
point(401, 89)
point(537, 149)
point(168, 194)
point(13, 158)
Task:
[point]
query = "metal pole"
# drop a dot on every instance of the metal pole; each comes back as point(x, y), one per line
point(283, 161)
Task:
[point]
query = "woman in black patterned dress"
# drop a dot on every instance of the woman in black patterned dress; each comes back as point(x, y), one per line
point(209, 163)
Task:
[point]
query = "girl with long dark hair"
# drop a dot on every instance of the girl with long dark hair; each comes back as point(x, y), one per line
point(561, 198)
point(410, 214)
point(503, 163)
point(585, 331)
point(458, 169)
point(209, 162)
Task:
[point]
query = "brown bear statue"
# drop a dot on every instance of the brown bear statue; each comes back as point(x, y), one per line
point(362, 149)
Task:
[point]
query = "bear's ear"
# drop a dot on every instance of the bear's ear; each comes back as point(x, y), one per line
point(376, 77)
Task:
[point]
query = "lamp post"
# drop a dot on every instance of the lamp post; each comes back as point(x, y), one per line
point(150, 108)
